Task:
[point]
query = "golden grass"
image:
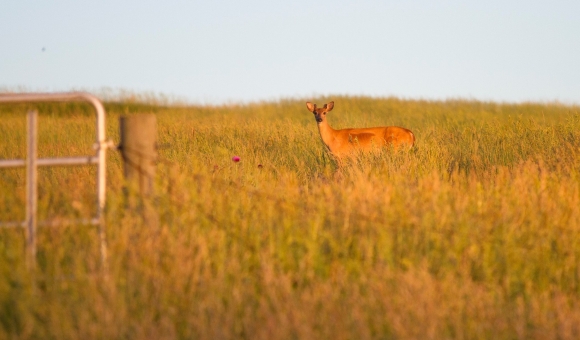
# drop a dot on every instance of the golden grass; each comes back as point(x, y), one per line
point(475, 233)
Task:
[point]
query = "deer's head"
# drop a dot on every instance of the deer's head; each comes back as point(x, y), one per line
point(320, 113)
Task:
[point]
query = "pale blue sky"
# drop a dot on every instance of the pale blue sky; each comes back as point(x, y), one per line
point(223, 51)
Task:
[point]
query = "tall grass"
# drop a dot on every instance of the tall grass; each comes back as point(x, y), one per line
point(475, 233)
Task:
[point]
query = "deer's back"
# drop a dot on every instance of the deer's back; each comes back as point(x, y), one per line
point(378, 136)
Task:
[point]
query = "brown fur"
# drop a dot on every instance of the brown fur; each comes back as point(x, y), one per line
point(346, 141)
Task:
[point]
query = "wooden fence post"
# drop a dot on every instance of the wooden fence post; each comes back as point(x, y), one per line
point(139, 150)
point(138, 147)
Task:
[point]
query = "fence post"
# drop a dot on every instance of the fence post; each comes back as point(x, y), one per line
point(138, 147)
point(139, 150)
point(31, 187)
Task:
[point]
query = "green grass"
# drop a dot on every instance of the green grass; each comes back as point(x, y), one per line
point(475, 233)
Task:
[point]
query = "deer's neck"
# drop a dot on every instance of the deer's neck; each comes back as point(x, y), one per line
point(327, 134)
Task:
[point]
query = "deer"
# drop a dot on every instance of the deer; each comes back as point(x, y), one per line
point(346, 142)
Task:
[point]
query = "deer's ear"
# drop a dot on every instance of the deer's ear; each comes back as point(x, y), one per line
point(329, 106)
point(311, 107)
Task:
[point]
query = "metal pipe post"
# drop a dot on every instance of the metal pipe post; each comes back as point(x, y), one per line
point(31, 187)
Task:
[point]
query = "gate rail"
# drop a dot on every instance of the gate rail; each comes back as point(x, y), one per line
point(32, 163)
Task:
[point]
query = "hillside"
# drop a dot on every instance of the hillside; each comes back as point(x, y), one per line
point(474, 233)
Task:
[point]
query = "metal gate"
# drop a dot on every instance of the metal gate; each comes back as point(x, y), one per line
point(32, 162)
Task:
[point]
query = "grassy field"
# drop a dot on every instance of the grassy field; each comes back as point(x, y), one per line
point(473, 234)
